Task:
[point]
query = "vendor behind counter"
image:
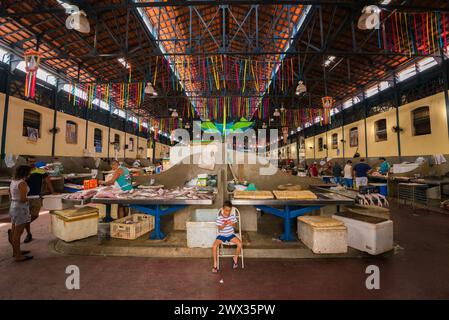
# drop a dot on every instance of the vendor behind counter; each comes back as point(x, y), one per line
point(121, 176)
point(384, 166)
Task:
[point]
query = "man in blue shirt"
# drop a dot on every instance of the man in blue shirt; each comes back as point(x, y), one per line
point(384, 166)
point(361, 170)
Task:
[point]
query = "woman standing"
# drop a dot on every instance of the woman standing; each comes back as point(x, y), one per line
point(19, 211)
point(348, 178)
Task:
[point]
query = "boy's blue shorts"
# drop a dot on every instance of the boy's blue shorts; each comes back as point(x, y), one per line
point(226, 239)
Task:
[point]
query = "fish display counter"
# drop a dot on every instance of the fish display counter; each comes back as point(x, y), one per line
point(289, 205)
point(154, 202)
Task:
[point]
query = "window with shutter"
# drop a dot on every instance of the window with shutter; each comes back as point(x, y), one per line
point(71, 132)
point(98, 140)
point(380, 130)
point(116, 142)
point(131, 144)
point(421, 121)
point(334, 141)
point(31, 119)
point(354, 137)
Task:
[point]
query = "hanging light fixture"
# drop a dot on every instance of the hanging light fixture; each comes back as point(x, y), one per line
point(301, 88)
point(149, 89)
point(276, 113)
point(77, 19)
point(264, 125)
point(174, 114)
point(282, 108)
point(187, 126)
point(369, 19)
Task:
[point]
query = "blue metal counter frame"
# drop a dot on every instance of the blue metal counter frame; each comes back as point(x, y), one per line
point(157, 211)
point(288, 214)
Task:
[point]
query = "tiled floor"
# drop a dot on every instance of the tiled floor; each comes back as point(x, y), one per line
point(419, 269)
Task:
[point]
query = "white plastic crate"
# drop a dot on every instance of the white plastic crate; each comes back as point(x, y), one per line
point(141, 224)
point(369, 234)
point(323, 235)
point(201, 228)
point(74, 224)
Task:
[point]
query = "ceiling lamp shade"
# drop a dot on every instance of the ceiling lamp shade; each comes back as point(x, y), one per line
point(187, 126)
point(276, 113)
point(174, 114)
point(77, 20)
point(301, 88)
point(149, 89)
point(264, 125)
point(369, 19)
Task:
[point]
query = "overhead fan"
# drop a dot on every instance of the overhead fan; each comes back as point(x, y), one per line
point(77, 20)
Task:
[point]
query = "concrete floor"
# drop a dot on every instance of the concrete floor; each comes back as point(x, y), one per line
point(264, 243)
point(418, 269)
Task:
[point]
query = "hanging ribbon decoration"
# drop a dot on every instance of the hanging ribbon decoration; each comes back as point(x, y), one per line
point(328, 104)
point(32, 62)
point(117, 95)
point(415, 33)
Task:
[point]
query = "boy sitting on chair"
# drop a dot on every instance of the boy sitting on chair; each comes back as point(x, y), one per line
point(226, 221)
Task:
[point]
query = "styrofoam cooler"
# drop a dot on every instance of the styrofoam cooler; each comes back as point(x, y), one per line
point(201, 228)
point(54, 202)
point(323, 234)
point(74, 224)
point(369, 234)
point(102, 209)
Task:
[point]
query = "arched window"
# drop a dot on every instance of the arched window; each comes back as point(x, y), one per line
point(380, 127)
point(335, 141)
point(31, 124)
point(98, 140)
point(320, 144)
point(421, 121)
point(354, 137)
point(71, 132)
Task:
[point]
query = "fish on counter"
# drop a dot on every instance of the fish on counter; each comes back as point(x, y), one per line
point(81, 195)
point(164, 194)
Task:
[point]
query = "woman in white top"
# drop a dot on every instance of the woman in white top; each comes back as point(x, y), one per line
point(19, 211)
point(348, 178)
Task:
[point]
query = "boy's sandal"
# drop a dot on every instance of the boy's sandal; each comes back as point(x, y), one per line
point(24, 252)
point(26, 258)
point(28, 238)
point(214, 270)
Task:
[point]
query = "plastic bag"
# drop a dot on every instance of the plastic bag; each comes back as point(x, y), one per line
point(10, 160)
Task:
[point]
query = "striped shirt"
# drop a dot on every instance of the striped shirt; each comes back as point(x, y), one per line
point(228, 230)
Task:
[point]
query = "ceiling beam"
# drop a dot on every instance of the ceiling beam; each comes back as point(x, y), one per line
point(182, 3)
